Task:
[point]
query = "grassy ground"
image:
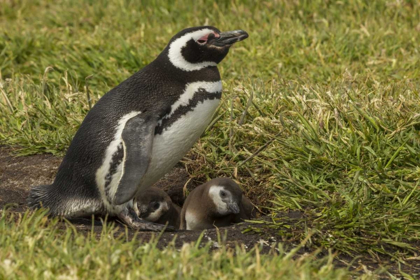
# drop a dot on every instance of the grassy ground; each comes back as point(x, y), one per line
point(41, 249)
point(320, 111)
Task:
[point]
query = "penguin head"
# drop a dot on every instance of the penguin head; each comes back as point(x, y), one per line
point(200, 47)
point(226, 196)
point(152, 204)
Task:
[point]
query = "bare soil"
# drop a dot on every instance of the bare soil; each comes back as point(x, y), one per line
point(18, 174)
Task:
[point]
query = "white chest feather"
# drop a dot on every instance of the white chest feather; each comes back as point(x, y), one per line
point(175, 141)
point(191, 221)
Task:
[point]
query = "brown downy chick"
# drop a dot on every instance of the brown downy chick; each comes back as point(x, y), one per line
point(154, 205)
point(218, 202)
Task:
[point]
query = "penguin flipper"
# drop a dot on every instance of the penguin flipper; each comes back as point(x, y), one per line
point(137, 138)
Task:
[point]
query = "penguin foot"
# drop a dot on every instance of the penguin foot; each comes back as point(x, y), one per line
point(130, 218)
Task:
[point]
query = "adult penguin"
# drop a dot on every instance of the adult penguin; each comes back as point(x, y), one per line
point(140, 129)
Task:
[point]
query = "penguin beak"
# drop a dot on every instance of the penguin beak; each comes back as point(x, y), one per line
point(230, 37)
point(233, 207)
point(142, 211)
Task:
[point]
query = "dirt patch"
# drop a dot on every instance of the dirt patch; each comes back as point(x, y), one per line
point(18, 174)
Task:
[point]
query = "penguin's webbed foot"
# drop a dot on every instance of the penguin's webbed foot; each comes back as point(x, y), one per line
point(130, 218)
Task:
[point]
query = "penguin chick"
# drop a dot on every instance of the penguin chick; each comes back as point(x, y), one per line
point(139, 130)
point(218, 202)
point(155, 205)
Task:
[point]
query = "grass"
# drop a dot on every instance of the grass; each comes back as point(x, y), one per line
point(320, 111)
point(38, 248)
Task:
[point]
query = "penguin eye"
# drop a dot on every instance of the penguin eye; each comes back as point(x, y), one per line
point(223, 194)
point(156, 205)
point(203, 39)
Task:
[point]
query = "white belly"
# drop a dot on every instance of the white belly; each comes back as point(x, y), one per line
point(191, 221)
point(170, 146)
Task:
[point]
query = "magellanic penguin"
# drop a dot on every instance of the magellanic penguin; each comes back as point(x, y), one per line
point(219, 203)
point(155, 205)
point(140, 129)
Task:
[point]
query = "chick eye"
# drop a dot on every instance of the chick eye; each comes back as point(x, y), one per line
point(156, 206)
point(223, 194)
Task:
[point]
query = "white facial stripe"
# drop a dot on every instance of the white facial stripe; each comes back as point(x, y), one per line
point(214, 193)
point(175, 54)
point(106, 164)
point(136, 208)
point(154, 216)
point(191, 89)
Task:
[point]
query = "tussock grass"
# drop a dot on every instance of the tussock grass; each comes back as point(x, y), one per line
point(349, 160)
point(320, 110)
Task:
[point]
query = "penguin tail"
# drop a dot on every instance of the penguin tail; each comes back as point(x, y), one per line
point(39, 197)
point(60, 203)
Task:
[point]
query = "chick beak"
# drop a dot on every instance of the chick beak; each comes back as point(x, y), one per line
point(233, 207)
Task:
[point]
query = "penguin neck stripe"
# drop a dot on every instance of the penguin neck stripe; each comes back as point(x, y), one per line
point(175, 52)
point(194, 93)
point(191, 89)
